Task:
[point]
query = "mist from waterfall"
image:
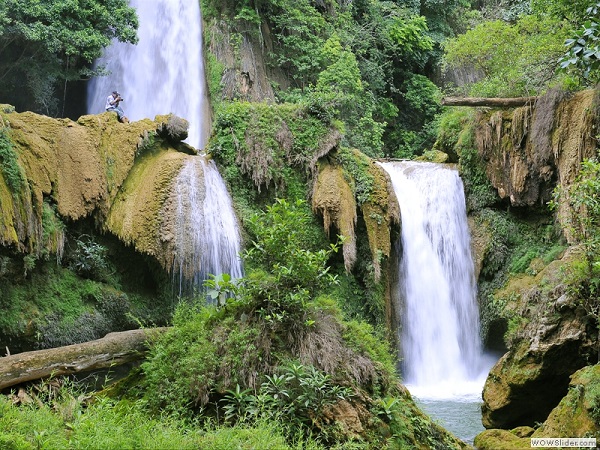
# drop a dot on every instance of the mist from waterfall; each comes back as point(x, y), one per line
point(440, 342)
point(162, 74)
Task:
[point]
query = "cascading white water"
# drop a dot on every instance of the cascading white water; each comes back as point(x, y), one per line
point(441, 349)
point(164, 73)
point(207, 236)
point(444, 366)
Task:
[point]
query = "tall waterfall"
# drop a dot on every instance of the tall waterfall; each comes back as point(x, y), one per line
point(441, 349)
point(164, 73)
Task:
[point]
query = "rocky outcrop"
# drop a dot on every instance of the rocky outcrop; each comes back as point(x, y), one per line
point(575, 416)
point(245, 74)
point(529, 150)
point(553, 338)
point(120, 174)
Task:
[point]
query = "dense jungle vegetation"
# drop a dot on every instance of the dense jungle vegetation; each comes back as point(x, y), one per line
point(264, 367)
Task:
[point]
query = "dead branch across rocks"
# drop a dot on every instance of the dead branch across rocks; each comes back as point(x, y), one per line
point(493, 102)
point(112, 350)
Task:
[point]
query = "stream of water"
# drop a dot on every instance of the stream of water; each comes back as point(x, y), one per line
point(443, 363)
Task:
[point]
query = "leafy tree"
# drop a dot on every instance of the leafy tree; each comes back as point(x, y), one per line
point(46, 43)
point(584, 48)
point(573, 11)
point(515, 60)
point(340, 90)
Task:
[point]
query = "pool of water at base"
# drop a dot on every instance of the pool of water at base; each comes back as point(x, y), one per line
point(462, 417)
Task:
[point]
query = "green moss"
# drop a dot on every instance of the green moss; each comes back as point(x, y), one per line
point(357, 167)
point(214, 74)
point(11, 170)
point(479, 191)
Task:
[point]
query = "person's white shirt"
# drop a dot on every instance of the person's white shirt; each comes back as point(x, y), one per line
point(109, 102)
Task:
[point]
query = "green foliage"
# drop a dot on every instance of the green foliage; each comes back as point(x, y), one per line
point(591, 391)
point(290, 272)
point(11, 170)
point(295, 396)
point(339, 90)
point(479, 191)
point(44, 42)
point(189, 363)
point(583, 54)
point(300, 32)
point(214, 73)
point(53, 231)
point(572, 10)
point(90, 259)
point(416, 133)
point(66, 419)
point(584, 198)
point(265, 143)
point(365, 339)
point(515, 59)
point(503, 232)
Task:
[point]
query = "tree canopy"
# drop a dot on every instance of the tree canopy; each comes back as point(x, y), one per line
point(45, 43)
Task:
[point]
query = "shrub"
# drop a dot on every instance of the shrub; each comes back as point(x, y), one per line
point(90, 259)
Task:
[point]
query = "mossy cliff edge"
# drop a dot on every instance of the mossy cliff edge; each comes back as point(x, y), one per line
point(120, 175)
point(84, 237)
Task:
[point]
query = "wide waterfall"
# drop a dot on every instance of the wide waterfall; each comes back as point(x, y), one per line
point(442, 357)
point(162, 74)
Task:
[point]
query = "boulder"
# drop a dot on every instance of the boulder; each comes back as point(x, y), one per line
point(173, 128)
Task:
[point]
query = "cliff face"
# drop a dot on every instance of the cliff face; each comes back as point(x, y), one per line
point(529, 150)
point(527, 153)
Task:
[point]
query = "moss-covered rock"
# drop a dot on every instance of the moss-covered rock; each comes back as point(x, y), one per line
point(550, 338)
point(577, 415)
point(81, 167)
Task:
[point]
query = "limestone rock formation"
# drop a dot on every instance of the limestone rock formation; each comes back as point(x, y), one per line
point(555, 340)
point(529, 150)
point(575, 416)
point(120, 174)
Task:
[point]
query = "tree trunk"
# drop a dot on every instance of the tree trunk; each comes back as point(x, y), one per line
point(492, 102)
point(112, 350)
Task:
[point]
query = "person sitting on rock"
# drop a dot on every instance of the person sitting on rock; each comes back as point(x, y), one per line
point(112, 104)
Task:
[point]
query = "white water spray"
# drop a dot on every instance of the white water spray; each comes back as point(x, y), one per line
point(164, 73)
point(441, 349)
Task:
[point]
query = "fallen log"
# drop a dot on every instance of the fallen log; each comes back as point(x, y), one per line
point(490, 101)
point(112, 350)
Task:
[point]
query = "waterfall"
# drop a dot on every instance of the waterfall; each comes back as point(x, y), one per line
point(164, 73)
point(207, 237)
point(441, 349)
